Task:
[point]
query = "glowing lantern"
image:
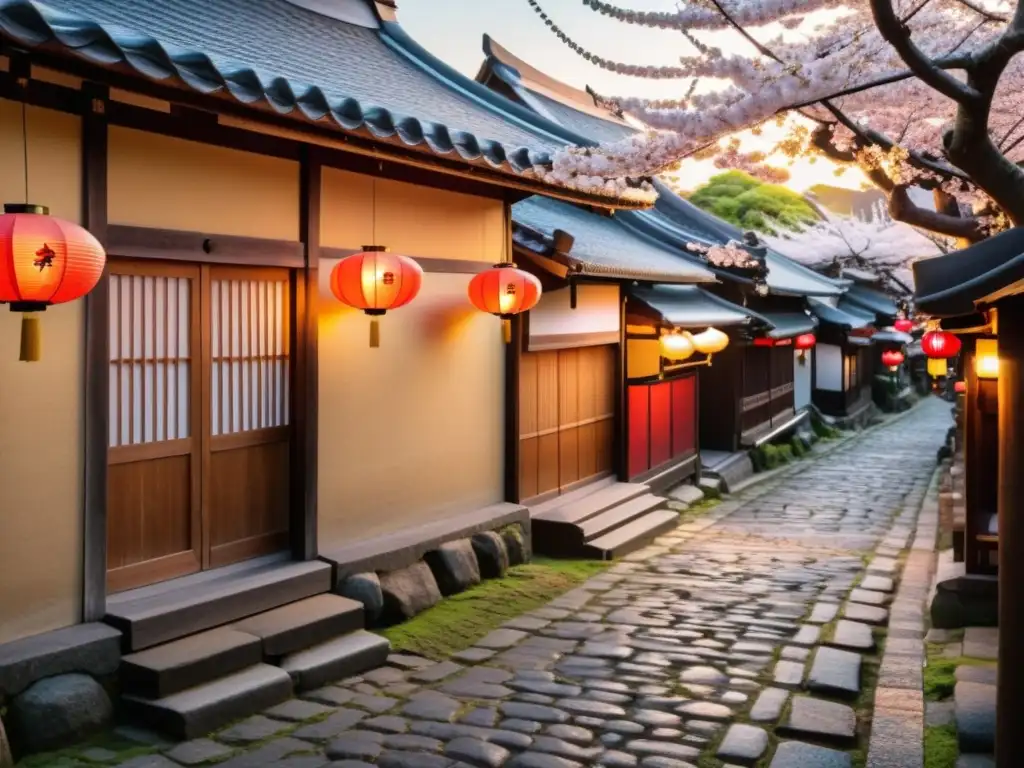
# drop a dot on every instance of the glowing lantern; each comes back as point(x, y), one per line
point(960, 387)
point(805, 341)
point(986, 358)
point(892, 358)
point(44, 261)
point(505, 291)
point(940, 344)
point(937, 367)
point(376, 281)
point(677, 346)
point(710, 342)
point(903, 325)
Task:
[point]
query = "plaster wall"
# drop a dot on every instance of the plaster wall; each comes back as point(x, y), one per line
point(412, 431)
point(42, 403)
point(828, 361)
point(802, 379)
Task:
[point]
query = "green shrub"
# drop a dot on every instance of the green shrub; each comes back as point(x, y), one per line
point(797, 446)
point(757, 459)
point(785, 453)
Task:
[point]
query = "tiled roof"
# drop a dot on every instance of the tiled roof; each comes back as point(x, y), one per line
point(872, 300)
point(689, 306)
point(602, 246)
point(603, 131)
point(788, 324)
point(955, 283)
point(844, 315)
point(371, 79)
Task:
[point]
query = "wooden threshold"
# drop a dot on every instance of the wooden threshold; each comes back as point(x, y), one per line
point(162, 612)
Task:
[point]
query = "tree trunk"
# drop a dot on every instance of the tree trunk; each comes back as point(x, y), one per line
point(6, 759)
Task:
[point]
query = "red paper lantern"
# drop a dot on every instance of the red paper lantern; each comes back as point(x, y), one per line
point(903, 325)
point(960, 386)
point(892, 358)
point(376, 281)
point(805, 341)
point(44, 261)
point(505, 291)
point(940, 344)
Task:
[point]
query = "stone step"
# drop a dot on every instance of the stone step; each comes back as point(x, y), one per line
point(303, 624)
point(336, 659)
point(975, 711)
point(198, 711)
point(180, 607)
point(561, 500)
point(633, 536)
point(595, 503)
point(616, 517)
point(167, 669)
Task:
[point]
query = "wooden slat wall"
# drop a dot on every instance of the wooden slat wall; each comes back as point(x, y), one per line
point(662, 423)
point(567, 414)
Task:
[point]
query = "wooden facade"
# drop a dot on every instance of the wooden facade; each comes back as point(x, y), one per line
point(187, 387)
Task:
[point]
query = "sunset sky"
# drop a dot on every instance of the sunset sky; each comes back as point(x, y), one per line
point(453, 31)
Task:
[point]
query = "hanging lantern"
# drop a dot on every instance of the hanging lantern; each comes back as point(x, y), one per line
point(960, 387)
point(940, 344)
point(805, 341)
point(937, 367)
point(376, 281)
point(44, 261)
point(892, 358)
point(986, 358)
point(903, 325)
point(710, 342)
point(677, 346)
point(505, 291)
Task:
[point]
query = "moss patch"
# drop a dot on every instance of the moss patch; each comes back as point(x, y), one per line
point(940, 672)
point(457, 622)
point(120, 750)
point(698, 510)
point(940, 746)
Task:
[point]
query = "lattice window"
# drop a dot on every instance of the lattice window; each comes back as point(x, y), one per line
point(150, 358)
point(249, 348)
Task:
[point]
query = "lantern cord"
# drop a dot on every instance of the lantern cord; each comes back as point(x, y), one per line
point(24, 144)
point(373, 209)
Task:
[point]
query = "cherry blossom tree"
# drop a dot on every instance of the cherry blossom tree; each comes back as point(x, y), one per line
point(926, 93)
point(877, 244)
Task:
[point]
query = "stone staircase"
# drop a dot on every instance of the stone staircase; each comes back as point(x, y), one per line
point(189, 685)
point(602, 521)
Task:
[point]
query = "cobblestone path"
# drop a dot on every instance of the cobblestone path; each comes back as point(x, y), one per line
point(749, 638)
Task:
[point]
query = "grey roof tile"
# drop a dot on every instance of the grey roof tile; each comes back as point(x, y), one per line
point(689, 306)
point(604, 247)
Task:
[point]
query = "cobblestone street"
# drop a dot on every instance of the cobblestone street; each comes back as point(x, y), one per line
point(753, 636)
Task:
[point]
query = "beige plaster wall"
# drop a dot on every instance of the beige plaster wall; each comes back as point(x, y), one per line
point(41, 404)
point(167, 183)
point(411, 431)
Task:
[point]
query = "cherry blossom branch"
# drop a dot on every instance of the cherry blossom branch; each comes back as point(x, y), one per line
point(898, 35)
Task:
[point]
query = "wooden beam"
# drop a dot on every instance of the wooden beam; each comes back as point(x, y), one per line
point(1010, 670)
point(305, 371)
point(621, 430)
point(435, 264)
point(513, 358)
point(179, 245)
point(97, 361)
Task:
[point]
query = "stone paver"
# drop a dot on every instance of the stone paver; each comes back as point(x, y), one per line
point(755, 621)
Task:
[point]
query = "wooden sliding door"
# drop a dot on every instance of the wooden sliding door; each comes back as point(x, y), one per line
point(199, 422)
point(567, 418)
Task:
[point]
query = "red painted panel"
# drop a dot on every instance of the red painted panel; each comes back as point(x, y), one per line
point(639, 422)
point(684, 416)
point(661, 423)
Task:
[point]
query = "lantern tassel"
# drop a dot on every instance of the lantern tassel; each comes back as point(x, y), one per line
point(506, 329)
point(374, 333)
point(31, 339)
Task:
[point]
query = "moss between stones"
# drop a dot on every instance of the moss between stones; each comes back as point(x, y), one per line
point(121, 748)
point(457, 622)
point(940, 672)
point(941, 749)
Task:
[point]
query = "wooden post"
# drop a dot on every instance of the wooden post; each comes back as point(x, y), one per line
point(1010, 683)
point(972, 471)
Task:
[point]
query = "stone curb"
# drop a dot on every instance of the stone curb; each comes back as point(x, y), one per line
point(897, 728)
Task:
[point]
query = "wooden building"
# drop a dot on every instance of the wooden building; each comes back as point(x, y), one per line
point(752, 393)
point(208, 435)
point(977, 294)
point(843, 360)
